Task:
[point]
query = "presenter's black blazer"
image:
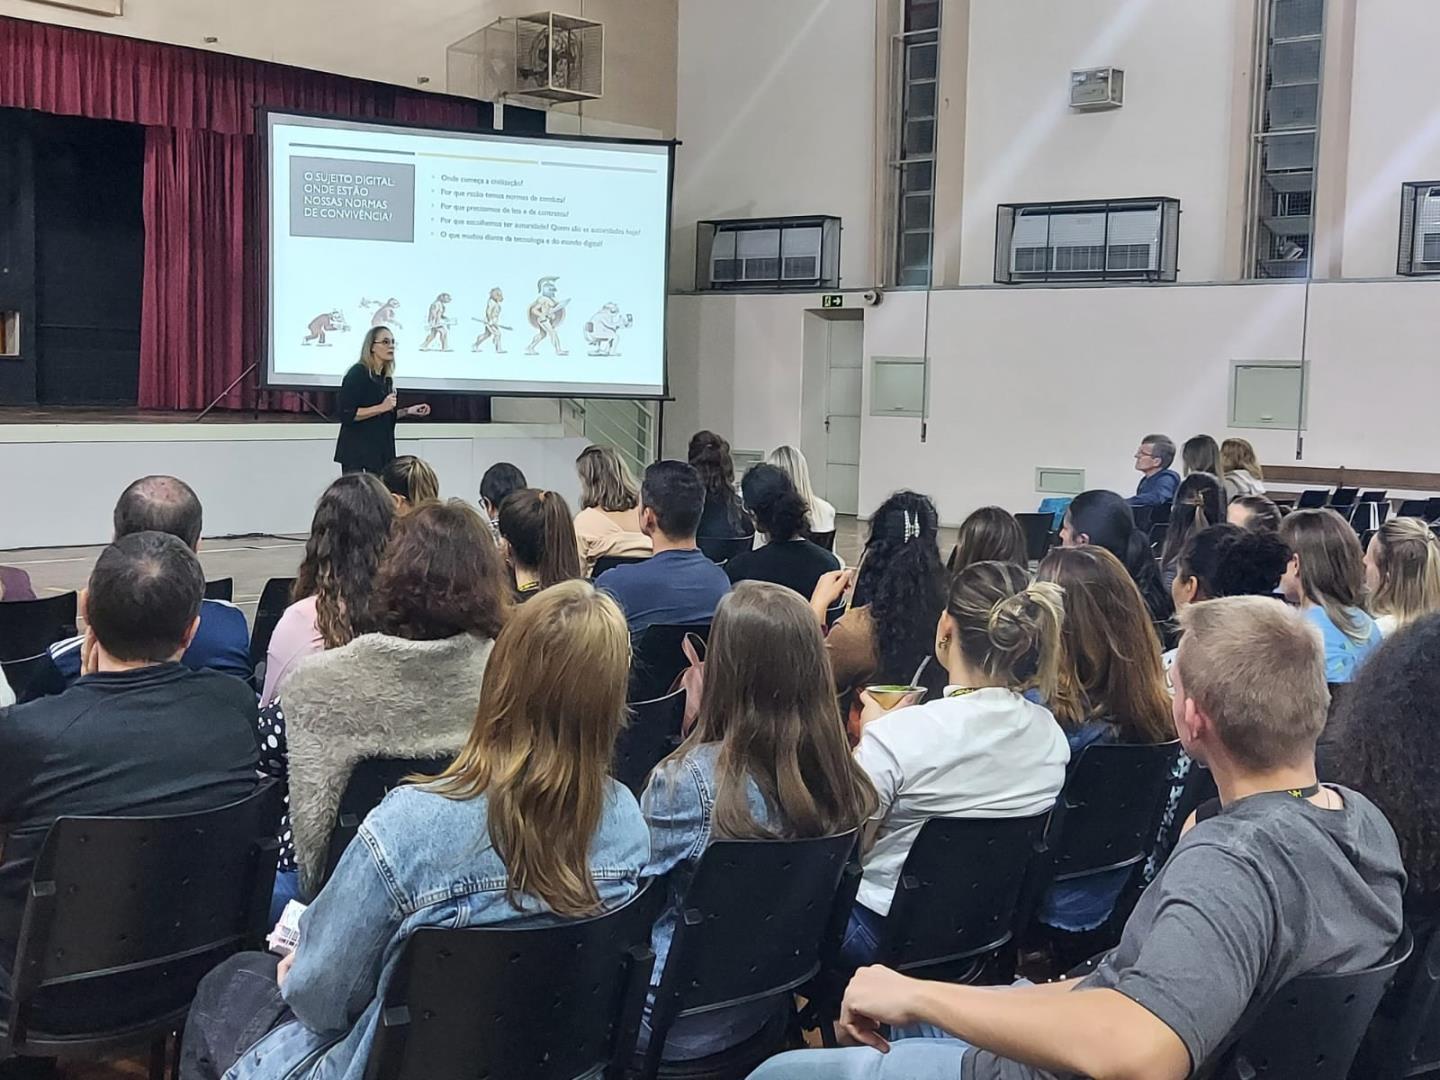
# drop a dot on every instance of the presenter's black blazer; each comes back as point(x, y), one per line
point(367, 445)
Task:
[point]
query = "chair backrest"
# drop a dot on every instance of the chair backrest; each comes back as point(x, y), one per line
point(1312, 499)
point(29, 627)
point(169, 896)
point(721, 549)
point(1413, 508)
point(658, 656)
point(1144, 517)
point(1160, 515)
point(751, 926)
point(1312, 1027)
point(1038, 534)
point(652, 733)
point(1413, 1048)
point(1374, 496)
point(825, 539)
point(1110, 808)
point(959, 894)
point(547, 1003)
point(609, 562)
point(274, 599)
point(220, 589)
point(1432, 508)
point(33, 677)
point(1344, 496)
point(370, 781)
point(1158, 533)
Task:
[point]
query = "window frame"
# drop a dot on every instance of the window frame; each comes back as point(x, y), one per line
point(1167, 243)
point(1406, 265)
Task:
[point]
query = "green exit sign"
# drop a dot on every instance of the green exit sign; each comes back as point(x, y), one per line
point(833, 299)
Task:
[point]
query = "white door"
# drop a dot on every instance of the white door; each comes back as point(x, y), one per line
point(842, 414)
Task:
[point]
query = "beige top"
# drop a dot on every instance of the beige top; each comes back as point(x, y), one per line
point(853, 653)
point(608, 532)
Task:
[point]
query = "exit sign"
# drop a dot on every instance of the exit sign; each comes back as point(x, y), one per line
point(833, 299)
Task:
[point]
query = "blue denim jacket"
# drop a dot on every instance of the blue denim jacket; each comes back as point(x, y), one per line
point(420, 859)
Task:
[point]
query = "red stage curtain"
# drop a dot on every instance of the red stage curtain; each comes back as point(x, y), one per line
point(201, 312)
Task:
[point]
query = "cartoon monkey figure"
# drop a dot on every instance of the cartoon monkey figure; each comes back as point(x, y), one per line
point(602, 332)
point(439, 324)
point(384, 312)
point(546, 314)
point(492, 321)
point(329, 321)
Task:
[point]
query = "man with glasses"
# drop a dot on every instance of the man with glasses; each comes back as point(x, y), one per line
point(1158, 484)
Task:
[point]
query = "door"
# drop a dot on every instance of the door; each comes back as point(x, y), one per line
point(844, 364)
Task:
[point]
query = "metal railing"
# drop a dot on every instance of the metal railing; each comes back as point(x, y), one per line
point(630, 428)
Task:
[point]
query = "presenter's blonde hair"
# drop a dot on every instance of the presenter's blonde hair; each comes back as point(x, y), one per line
point(367, 353)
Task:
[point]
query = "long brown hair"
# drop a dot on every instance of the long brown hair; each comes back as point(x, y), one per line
point(347, 538)
point(1407, 558)
point(1112, 668)
point(605, 480)
point(769, 701)
point(367, 353)
point(989, 534)
point(1239, 454)
point(541, 534)
point(551, 706)
point(1332, 568)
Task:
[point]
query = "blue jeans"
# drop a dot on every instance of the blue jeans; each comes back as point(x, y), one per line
point(287, 888)
point(862, 938)
point(917, 1058)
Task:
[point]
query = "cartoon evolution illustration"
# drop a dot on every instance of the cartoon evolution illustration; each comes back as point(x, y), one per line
point(492, 321)
point(602, 332)
point(438, 323)
point(546, 314)
point(384, 312)
point(329, 322)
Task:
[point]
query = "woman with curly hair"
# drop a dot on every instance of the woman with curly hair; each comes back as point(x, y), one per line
point(788, 557)
point(332, 588)
point(723, 517)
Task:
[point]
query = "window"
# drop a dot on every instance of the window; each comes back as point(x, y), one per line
point(916, 65)
point(768, 253)
point(1287, 121)
point(1420, 228)
point(1110, 240)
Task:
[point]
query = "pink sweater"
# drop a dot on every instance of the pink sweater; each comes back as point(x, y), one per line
point(295, 638)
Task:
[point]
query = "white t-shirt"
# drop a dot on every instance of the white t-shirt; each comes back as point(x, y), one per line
point(989, 753)
point(822, 516)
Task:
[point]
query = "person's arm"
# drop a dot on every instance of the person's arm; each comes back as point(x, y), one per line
point(270, 739)
point(348, 406)
point(884, 770)
point(676, 817)
point(828, 591)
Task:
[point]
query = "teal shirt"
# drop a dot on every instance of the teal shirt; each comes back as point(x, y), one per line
point(1342, 653)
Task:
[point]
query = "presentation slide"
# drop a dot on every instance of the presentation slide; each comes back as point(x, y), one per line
point(504, 265)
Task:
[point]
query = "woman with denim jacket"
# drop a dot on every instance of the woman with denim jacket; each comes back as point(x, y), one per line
point(767, 760)
point(486, 843)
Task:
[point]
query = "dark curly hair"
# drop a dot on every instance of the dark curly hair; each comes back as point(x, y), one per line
point(1227, 560)
point(441, 576)
point(1386, 744)
point(903, 583)
point(780, 512)
point(348, 535)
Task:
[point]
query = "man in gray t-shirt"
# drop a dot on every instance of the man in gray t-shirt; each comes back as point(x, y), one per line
point(1287, 879)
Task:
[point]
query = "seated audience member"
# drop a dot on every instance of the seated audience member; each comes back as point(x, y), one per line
point(787, 558)
point(1201, 453)
point(1289, 878)
point(724, 516)
point(1326, 579)
point(989, 534)
point(405, 688)
point(138, 734)
point(1241, 469)
point(1256, 512)
point(1198, 505)
point(499, 481)
point(1402, 573)
point(1102, 518)
point(525, 827)
point(165, 504)
point(410, 481)
point(792, 461)
point(1158, 481)
point(15, 584)
point(887, 637)
point(538, 536)
point(609, 518)
point(766, 761)
point(1226, 560)
point(331, 594)
point(678, 584)
point(982, 750)
point(1111, 690)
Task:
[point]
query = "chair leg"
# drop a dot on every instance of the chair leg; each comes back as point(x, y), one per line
point(158, 1053)
point(179, 1038)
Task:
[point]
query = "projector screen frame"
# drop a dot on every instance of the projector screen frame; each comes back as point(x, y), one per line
point(265, 256)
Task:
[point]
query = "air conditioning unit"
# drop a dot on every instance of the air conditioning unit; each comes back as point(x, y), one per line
point(543, 59)
point(1097, 88)
point(775, 253)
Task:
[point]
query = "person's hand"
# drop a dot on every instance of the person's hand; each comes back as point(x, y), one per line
point(870, 709)
point(876, 996)
point(831, 587)
point(389, 402)
point(283, 971)
point(416, 410)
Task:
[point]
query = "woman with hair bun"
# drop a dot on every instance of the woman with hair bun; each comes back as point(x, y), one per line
point(788, 557)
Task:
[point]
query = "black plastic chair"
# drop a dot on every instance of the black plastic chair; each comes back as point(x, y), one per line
point(33, 677)
point(1312, 499)
point(721, 549)
point(825, 539)
point(609, 562)
point(370, 781)
point(1159, 515)
point(1157, 536)
point(1404, 1040)
point(548, 1003)
point(1145, 516)
point(1432, 508)
point(658, 658)
point(1312, 1027)
point(1344, 496)
point(1374, 496)
point(29, 627)
point(274, 599)
point(123, 917)
point(752, 928)
point(220, 589)
point(1418, 508)
point(652, 733)
point(1038, 534)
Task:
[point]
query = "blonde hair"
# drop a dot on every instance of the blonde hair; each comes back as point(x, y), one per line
point(1239, 454)
point(789, 460)
point(605, 480)
point(551, 706)
point(412, 479)
point(1332, 569)
point(1257, 670)
point(1407, 555)
point(1008, 627)
point(367, 353)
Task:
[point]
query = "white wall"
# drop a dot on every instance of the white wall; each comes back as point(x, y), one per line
point(775, 108)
